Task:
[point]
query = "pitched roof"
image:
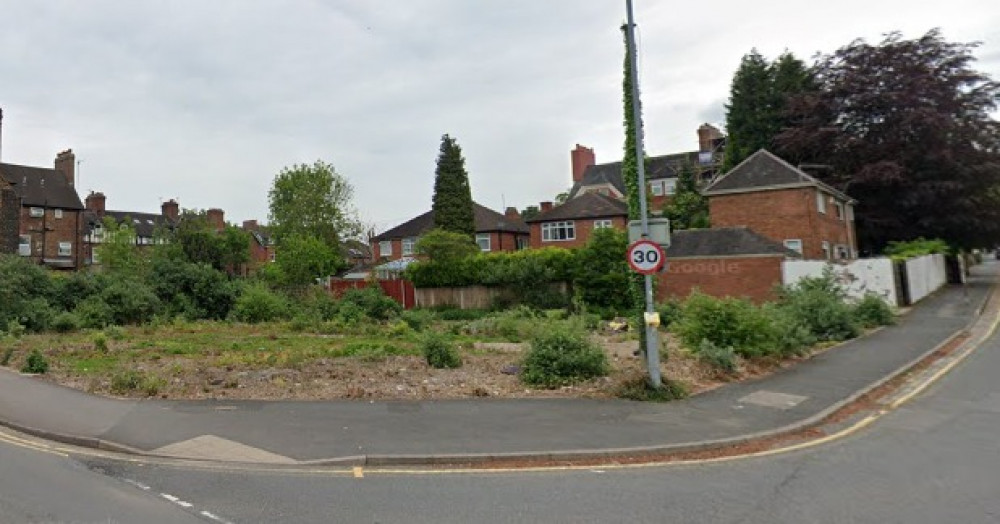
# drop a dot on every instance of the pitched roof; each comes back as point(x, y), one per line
point(39, 186)
point(355, 249)
point(145, 224)
point(764, 171)
point(723, 241)
point(657, 167)
point(486, 220)
point(587, 205)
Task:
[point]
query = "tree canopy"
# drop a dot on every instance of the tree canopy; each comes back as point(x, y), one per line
point(906, 127)
point(315, 201)
point(452, 202)
point(688, 208)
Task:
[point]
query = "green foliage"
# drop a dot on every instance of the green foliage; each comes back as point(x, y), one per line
point(35, 363)
point(8, 353)
point(195, 291)
point(454, 313)
point(720, 358)
point(101, 343)
point(312, 201)
point(871, 311)
point(530, 212)
point(196, 241)
point(258, 304)
point(372, 302)
point(93, 312)
point(23, 286)
point(72, 288)
point(130, 302)
point(118, 252)
point(452, 201)
point(641, 390)
point(688, 208)
point(819, 305)
point(902, 250)
point(602, 273)
point(439, 352)
point(303, 259)
point(561, 356)
point(65, 322)
point(130, 381)
point(514, 324)
point(15, 329)
point(446, 246)
point(726, 322)
point(418, 319)
point(670, 312)
point(36, 315)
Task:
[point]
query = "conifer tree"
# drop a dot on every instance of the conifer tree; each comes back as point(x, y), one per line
point(452, 205)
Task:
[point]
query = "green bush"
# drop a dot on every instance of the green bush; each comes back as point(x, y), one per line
point(15, 329)
point(66, 322)
point(101, 343)
point(130, 302)
point(793, 337)
point(720, 358)
point(871, 311)
point(601, 277)
point(35, 363)
point(726, 322)
point(37, 315)
point(418, 319)
point(900, 250)
point(820, 306)
point(259, 304)
point(128, 381)
point(23, 286)
point(8, 352)
point(641, 390)
point(93, 312)
point(195, 291)
point(562, 356)
point(670, 312)
point(439, 352)
point(373, 302)
point(454, 313)
point(71, 289)
point(350, 313)
point(319, 303)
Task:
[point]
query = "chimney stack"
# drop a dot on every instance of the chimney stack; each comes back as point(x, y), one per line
point(546, 206)
point(95, 203)
point(170, 209)
point(66, 164)
point(216, 219)
point(581, 158)
point(512, 214)
point(707, 135)
point(250, 225)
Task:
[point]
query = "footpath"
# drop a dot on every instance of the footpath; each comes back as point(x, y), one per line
point(425, 432)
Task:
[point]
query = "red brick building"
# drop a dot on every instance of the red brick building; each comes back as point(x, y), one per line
point(494, 232)
point(50, 218)
point(261, 244)
point(785, 204)
point(570, 224)
point(146, 225)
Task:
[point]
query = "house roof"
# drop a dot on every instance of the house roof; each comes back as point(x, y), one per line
point(723, 241)
point(587, 205)
point(657, 167)
point(764, 171)
point(39, 186)
point(145, 224)
point(486, 220)
point(355, 249)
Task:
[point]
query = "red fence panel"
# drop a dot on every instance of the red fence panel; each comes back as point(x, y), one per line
point(399, 290)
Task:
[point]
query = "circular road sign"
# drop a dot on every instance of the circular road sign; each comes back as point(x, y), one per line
point(645, 257)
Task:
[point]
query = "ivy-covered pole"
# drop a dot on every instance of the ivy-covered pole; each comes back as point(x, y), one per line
point(633, 162)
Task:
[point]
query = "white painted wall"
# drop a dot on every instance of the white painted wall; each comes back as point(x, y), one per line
point(925, 275)
point(857, 277)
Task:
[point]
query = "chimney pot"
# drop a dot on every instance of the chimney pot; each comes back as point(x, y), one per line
point(170, 209)
point(546, 206)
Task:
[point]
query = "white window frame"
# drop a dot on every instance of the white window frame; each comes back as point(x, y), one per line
point(790, 243)
point(65, 249)
point(483, 241)
point(841, 252)
point(57, 213)
point(821, 201)
point(603, 223)
point(669, 186)
point(36, 212)
point(656, 187)
point(552, 231)
point(841, 212)
point(382, 248)
point(409, 246)
point(827, 253)
point(24, 245)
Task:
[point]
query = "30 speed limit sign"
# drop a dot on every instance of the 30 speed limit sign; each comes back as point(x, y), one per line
point(645, 257)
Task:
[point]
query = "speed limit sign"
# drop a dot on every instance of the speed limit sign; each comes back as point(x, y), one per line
point(645, 257)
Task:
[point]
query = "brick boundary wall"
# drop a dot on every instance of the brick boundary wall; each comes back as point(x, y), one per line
point(753, 277)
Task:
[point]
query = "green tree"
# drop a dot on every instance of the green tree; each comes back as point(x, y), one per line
point(443, 246)
point(907, 126)
point(602, 272)
point(758, 103)
point(452, 205)
point(303, 259)
point(530, 212)
point(688, 208)
point(312, 200)
point(118, 251)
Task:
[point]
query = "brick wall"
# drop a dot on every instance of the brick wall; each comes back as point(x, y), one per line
point(10, 213)
point(784, 214)
point(583, 229)
point(47, 232)
point(753, 277)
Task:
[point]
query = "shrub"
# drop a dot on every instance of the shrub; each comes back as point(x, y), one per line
point(720, 358)
point(670, 312)
point(439, 352)
point(726, 322)
point(125, 382)
point(259, 304)
point(418, 319)
point(641, 390)
point(37, 315)
point(8, 352)
point(15, 329)
point(562, 356)
point(350, 313)
point(66, 322)
point(35, 363)
point(454, 313)
point(793, 338)
point(871, 311)
point(916, 248)
point(93, 312)
point(319, 303)
point(22, 286)
point(115, 333)
point(74, 288)
point(819, 305)
point(101, 343)
point(373, 302)
point(130, 302)
point(194, 290)
point(601, 277)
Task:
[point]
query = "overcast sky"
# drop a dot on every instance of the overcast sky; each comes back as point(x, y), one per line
point(205, 101)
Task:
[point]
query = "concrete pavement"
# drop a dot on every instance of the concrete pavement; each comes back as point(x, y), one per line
point(402, 432)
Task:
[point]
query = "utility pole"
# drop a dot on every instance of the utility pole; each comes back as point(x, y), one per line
point(652, 339)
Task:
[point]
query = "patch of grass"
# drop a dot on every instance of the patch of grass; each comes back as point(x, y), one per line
point(93, 365)
point(35, 363)
point(130, 381)
point(8, 352)
point(640, 389)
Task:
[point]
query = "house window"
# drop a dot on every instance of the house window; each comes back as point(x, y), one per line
point(555, 231)
point(57, 213)
point(24, 246)
point(821, 202)
point(840, 211)
point(826, 250)
point(95, 256)
point(599, 224)
point(409, 246)
point(670, 186)
point(657, 188)
point(483, 241)
point(36, 212)
point(850, 212)
point(794, 244)
point(842, 252)
point(385, 248)
point(522, 243)
point(65, 249)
